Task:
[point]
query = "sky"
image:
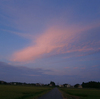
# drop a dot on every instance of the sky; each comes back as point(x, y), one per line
point(50, 40)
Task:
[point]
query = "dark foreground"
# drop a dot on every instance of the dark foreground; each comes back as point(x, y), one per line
point(53, 94)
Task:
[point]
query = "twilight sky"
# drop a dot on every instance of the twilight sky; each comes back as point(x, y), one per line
point(50, 40)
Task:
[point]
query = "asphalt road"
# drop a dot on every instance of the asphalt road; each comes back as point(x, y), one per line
point(53, 94)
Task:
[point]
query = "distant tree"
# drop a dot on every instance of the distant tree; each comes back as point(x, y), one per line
point(65, 85)
point(76, 85)
point(91, 84)
point(83, 85)
point(3, 82)
point(52, 83)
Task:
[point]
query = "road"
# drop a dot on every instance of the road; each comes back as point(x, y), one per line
point(53, 94)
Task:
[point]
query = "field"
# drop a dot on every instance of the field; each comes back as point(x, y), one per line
point(22, 92)
point(72, 93)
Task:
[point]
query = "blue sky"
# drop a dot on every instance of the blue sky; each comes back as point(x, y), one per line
point(44, 40)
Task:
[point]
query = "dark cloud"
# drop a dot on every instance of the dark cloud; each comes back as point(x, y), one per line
point(21, 73)
point(12, 73)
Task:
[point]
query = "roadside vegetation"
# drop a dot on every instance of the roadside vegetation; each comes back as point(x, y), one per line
point(75, 93)
point(22, 92)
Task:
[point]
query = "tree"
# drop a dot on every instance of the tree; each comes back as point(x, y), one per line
point(52, 83)
point(91, 84)
point(76, 86)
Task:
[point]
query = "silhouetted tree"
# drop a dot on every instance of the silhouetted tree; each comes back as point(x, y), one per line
point(76, 85)
point(91, 84)
point(52, 83)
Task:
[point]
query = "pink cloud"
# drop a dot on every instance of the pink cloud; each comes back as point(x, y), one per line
point(55, 40)
point(34, 75)
point(95, 66)
point(66, 67)
point(75, 67)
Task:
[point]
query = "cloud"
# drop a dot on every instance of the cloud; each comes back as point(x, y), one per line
point(95, 66)
point(24, 35)
point(55, 40)
point(12, 73)
point(21, 73)
point(75, 67)
point(52, 39)
point(34, 75)
point(7, 68)
point(67, 67)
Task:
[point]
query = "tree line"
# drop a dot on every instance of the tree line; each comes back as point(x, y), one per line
point(91, 84)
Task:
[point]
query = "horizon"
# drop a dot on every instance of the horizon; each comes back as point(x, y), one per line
point(54, 40)
point(44, 83)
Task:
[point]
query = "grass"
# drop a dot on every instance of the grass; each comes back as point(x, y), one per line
point(80, 93)
point(22, 92)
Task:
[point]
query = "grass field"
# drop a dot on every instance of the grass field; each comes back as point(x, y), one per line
point(22, 92)
point(80, 93)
